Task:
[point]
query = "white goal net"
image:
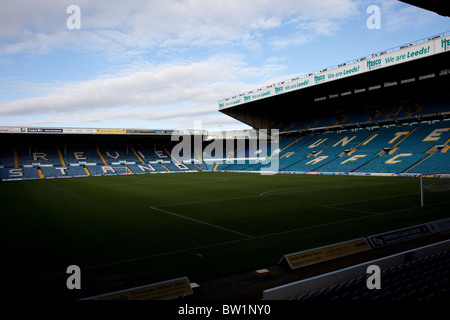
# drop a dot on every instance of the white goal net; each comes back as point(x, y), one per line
point(433, 183)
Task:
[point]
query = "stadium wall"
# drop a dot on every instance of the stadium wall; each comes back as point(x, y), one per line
point(298, 288)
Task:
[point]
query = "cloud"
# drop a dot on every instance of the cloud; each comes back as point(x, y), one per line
point(167, 60)
point(144, 24)
point(158, 93)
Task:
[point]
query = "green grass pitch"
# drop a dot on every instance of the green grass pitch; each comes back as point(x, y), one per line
point(127, 231)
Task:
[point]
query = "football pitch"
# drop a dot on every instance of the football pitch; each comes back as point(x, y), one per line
point(128, 231)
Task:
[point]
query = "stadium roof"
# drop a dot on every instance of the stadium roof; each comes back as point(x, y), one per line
point(440, 7)
point(281, 106)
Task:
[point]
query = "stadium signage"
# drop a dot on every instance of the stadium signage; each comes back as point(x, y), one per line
point(79, 131)
point(319, 79)
point(343, 72)
point(9, 130)
point(111, 131)
point(445, 44)
point(396, 236)
point(376, 61)
point(414, 53)
point(261, 95)
point(373, 64)
point(308, 257)
point(98, 131)
point(279, 89)
point(352, 70)
point(165, 290)
point(44, 130)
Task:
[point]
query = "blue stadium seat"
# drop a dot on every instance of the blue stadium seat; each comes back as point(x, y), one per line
point(397, 284)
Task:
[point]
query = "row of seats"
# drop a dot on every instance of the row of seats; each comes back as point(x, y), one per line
point(421, 279)
point(373, 113)
point(37, 162)
point(409, 148)
point(67, 155)
point(94, 170)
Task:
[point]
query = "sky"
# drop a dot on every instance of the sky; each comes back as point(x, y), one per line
point(165, 64)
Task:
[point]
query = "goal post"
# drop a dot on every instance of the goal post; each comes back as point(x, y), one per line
point(433, 183)
point(121, 170)
point(421, 190)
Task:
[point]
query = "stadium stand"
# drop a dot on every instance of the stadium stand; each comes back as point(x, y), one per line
point(379, 112)
point(7, 158)
point(403, 136)
point(393, 148)
point(419, 147)
point(80, 160)
point(435, 163)
point(60, 171)
point(38, 155)
point(425, 279)
point(388, 135)
point(412, 147)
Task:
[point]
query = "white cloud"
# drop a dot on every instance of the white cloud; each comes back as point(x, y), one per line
point(124, 32)
point(143, 24)
point(157, 94)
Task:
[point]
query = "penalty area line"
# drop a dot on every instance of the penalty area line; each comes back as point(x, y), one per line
point(202, 222)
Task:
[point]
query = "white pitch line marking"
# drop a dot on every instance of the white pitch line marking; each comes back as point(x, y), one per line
point(307, 189)
point(216, 244)
point(182, 181)
point(372, 199)
point(202, 222)
point(335, 206)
